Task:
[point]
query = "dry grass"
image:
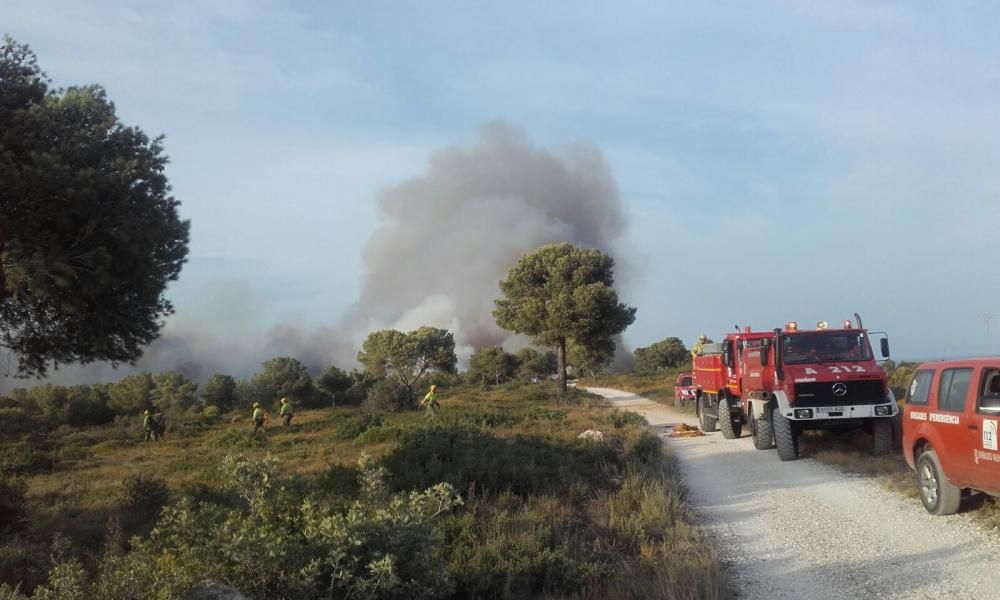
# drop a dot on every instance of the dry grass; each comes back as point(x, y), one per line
point(630, 531)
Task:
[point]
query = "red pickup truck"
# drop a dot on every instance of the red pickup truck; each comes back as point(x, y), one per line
point(684, 389)
point(950, 431)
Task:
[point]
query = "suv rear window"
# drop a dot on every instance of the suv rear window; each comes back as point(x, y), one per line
point(920, 389)
point(953, 389)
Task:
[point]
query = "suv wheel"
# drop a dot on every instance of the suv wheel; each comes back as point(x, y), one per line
point(729, 429)
point(882, 437)
point(937, 494)
point(760, 429)
point(786, 438)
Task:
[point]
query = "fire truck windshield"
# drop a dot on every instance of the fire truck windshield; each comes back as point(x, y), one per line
point(825, 346)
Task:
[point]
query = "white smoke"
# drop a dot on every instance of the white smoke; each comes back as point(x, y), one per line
point(443, 241)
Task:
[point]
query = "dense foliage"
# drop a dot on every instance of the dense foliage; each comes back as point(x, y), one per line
point(89, 234)
point(560, 294)
point(669, 353)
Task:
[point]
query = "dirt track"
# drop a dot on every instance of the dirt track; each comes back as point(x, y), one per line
point(803, 530)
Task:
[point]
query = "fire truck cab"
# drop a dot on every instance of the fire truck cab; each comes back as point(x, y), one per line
point(950, 421)
point(824, 378)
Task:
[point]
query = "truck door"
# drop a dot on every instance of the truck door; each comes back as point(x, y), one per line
point(952, 424)
point(982, 430)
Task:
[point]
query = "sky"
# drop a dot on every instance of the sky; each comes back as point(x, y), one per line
point(774, 160)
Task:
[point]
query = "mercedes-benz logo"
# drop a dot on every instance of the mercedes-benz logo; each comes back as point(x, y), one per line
point(839, 390)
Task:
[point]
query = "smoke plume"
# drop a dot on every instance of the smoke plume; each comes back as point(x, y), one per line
point(446, 238)
point(443, 241)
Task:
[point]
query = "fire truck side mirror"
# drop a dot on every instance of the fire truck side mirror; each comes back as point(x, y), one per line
point(885, 347)
point(765, 347)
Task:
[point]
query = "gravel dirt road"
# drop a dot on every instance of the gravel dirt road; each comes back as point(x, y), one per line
point(803, 530)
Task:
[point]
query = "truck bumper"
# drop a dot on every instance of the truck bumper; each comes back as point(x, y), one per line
point(883, 410)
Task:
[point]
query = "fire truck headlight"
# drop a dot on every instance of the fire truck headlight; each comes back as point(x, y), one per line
point(803, 413)
point(883, 411)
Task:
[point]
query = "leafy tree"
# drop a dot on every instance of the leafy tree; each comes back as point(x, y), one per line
point(665, 354)
point(492, 364)
point(219, 391)
point(89, 234)
point(334, 383)
point(531, 363)
point(283, 377)
point(246, 393)
point(133, 394)
point(408, 356)
point(562, 293)
point(591, 359)
point(174, 391)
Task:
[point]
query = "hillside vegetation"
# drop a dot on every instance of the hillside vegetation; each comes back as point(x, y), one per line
point(496, 498)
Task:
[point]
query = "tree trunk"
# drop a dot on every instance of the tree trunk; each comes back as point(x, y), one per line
point(561, 368)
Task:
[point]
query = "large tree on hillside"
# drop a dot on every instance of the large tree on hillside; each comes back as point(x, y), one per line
point(408, 356)
point(89, 234)
point(562, 293)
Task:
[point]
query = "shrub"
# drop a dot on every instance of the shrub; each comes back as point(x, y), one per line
point(144, 495)
point(625, 418)
point(467, 457)
point(388, 396)
point(350, 426)
point(211, 411)
point(23, 458)
point(648, 449)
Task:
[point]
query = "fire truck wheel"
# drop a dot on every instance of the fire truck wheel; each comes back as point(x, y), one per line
point(786, 438)
point(729, 429)
point(760, 429)
point(708, 422)
point(937, 494)
point(882, 437)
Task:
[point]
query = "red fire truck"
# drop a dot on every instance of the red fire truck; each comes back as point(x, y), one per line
point(792, 380)
point(718, 380)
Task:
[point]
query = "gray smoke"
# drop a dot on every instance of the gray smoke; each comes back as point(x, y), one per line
point(446, 238)
point(443, 241)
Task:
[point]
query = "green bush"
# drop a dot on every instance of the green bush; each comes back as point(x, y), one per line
point(468, 457)
point(388, 396)
point(648, 449)
point(239, 438)
point(624, 418)
point(351, 425)
point(23, 458)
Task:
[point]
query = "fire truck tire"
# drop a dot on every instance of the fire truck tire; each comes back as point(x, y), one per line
point(937, 494)
point(708, 422)
point(729, 429)
point(760, 429)
point(881, 437)
point(786, 438)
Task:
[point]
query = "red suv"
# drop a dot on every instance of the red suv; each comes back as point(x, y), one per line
point(684, 389)
point(950, 431)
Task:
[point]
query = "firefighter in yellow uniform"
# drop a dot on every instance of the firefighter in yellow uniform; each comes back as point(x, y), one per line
point(699, 347)
point(149, 426)
point(430, 402)
point(287, 412)
point(259, 417)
